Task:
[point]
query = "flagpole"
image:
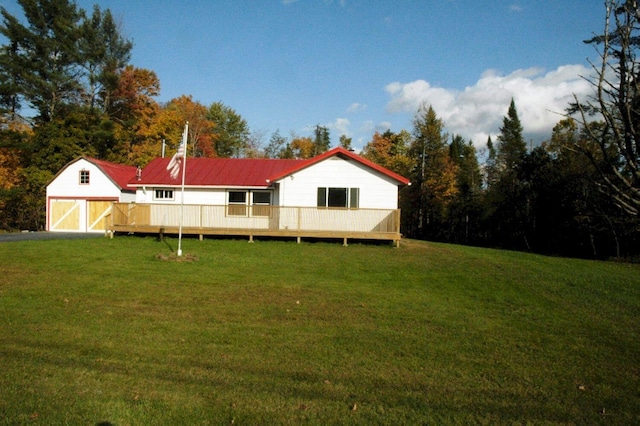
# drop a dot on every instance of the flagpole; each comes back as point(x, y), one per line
point(184, 171)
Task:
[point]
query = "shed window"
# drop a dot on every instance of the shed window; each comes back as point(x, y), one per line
point(339, 197)
point(84, 177)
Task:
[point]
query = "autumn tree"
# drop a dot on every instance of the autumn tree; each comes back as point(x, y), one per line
point(134, 110)
point(390, 150)
point(433, 176)
point(300, 148)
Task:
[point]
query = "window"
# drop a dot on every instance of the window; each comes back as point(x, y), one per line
point(237, 203)
point(163, 194)
point(261, 203)
point(84, 177)
point(339, 197)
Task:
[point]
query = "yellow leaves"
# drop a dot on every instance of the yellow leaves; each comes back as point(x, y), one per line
point(302, 147)
point(9, 168)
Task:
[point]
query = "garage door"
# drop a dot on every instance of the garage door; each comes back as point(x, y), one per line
point(65, 215)
point(97, 212)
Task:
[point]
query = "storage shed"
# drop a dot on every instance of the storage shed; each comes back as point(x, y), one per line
point(80, 196)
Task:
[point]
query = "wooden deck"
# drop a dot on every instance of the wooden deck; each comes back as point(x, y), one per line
point(264, 221)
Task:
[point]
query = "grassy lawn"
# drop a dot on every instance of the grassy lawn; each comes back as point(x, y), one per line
point(274, 332)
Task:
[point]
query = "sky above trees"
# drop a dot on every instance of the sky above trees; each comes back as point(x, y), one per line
point(358, 67)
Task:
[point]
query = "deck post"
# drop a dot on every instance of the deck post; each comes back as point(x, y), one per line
point(250, 238)
point(298, 239)
point(344, 242)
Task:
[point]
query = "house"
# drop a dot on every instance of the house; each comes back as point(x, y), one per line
point(337, 194)
point(80, 196)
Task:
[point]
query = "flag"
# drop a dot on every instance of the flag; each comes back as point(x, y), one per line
point(176, 160)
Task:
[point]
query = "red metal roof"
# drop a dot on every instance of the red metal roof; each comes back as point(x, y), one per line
point(244, 172)
point(118, 173)
point(241, 172)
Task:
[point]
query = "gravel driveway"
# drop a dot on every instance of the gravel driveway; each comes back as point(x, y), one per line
point(30, 236)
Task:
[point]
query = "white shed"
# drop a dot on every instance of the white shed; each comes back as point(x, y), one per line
point(80, 195)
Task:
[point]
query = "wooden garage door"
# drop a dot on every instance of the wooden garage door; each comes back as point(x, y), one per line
point(97, 211)
point(65, 215)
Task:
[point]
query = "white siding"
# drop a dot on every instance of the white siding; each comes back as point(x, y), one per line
point(201, 196)
point(376, 190)
point(67, 183)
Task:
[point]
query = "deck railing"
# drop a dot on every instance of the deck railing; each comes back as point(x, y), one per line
point(263, 218)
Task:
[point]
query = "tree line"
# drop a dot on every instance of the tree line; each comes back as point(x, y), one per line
point(67, 88)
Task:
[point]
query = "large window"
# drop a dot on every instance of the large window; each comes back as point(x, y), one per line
point(84, 177)
point(260, 203)
point(163, 194)
point(239, 202)
point(339, 197)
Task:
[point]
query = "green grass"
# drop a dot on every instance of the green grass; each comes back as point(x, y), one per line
point(274, 332)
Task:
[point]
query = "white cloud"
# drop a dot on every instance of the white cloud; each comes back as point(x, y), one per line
point(477, 111)
point(515, 8)
point(341, 126)
point(356, 107)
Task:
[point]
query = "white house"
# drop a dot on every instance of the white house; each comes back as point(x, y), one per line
point(80, 196)
point(336, 194)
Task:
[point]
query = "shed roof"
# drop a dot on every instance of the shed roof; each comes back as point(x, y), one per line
point(118, 173)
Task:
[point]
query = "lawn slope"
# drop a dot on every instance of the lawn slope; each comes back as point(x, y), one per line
point(277, 333)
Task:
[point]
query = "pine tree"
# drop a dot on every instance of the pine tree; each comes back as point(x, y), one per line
point(45, 61)
point(511, 145)
point(321, 141)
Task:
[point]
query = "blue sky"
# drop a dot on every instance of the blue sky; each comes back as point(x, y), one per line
point(359, 66)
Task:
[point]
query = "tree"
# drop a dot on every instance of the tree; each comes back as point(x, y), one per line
point(433, 176)
point(276, 146)
point(345, 142)
point(616, 100)
point(584, 222)
point(511, 145)
point(300, 148)
point(466, 205)
point(134, 110)
point(507, 202)
point(104, 52)
point(44, 59)
point(390, 150)
point(200, 126)
point(230, 131)
point(321, 140)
